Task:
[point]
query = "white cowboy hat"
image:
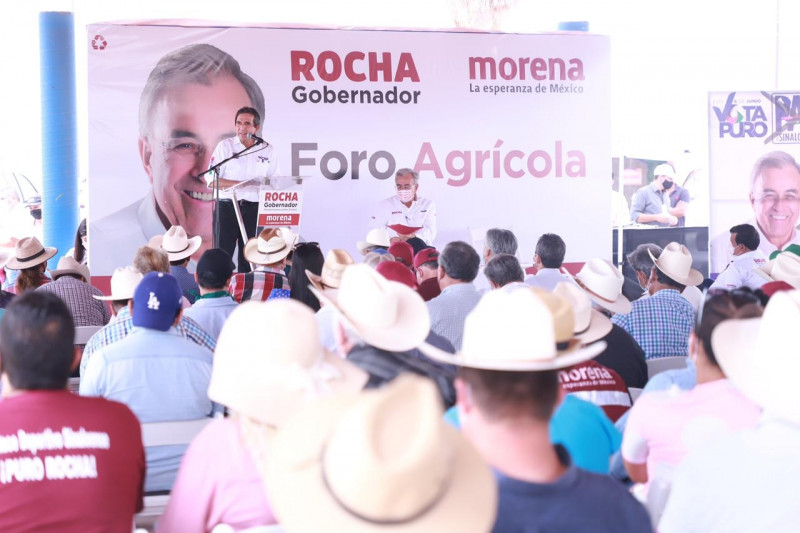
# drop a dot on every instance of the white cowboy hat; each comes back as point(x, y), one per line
point(676, 262)
point(386, 314)
point(785, 267)
point(759, 355)
point(271, 245)
point(269, 362)
point(375, 237)
point(68, 265)
point(521, 330)
point(123, 284)
point(590, 325)
point(602, 282)
point(332, 270)
point(29, 252)
point(176, 243)
point(383, 460)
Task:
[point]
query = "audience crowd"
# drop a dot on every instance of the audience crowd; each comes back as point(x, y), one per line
point(414, 389)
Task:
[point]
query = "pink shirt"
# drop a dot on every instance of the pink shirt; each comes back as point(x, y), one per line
point(664, 426)
point(218, 483)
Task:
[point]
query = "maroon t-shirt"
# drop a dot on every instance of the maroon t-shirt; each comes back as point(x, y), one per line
point(69, 464)
point(598, 384)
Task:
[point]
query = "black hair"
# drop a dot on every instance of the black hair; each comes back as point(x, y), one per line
point(307, 256)
point(746, 234)
point(460, 261)
point(551, 250)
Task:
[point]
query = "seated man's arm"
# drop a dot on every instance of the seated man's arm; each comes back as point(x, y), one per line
point(428, 231)
point(635, 449)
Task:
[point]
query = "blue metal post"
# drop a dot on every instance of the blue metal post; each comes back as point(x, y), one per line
point(59, 130)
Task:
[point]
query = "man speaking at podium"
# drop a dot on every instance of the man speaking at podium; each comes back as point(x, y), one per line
point(258, 161)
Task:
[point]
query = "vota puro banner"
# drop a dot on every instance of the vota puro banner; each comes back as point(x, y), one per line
point(754, 144)
point(504, 130)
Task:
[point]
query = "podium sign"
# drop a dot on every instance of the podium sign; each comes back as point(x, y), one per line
point(280, 202)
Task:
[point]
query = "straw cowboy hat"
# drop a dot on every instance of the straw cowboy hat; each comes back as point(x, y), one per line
point(271, 245)
point(176, 243)
point(590, 325)
point(123, 284)
point(29, 252)
point(332, 269)
point(756, 355)
point(385, 314)
point(382, 460)
point(269, 362)
point(375, 237)
point(521, 330)
point(68, 265)
point(785, 267)
point(602, 283)
point(676, 262)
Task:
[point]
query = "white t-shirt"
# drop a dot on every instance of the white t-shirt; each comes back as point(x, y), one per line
point(422, 213)
point(739, 273)
point(258, 162)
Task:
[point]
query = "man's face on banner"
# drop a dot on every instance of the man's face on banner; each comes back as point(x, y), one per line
point(775, 198)
point(185, 126)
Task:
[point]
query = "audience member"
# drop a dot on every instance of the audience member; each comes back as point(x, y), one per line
point(376, 257)
point(746, 258)
point(507, 390)
point(426, 270)
point(71, 284)
point(458, 266)
point(377, 239)
point(5, 296)
point(661, 323)
point(379, 461)
point(664, 426)
point(403, 253)
point(69, 464)
point(641, 260)
point(329, 280)
point(151, 258)
point(155, 371)
point(263, 387)
point(782, 266)
point(267, 253)
point(395, 271)
point(497, 241)
point(30, 258)
point(603, 284)
point(502, 270)
point(306, 257)
point(180, 248)
point(80, 250)
point(549, 256)
point(215, 304)
point(380, 324)
point(747, 481)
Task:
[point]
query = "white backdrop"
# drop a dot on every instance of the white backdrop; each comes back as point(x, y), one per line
point(566, 135)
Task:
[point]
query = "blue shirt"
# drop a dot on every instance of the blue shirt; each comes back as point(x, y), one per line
point(660, 324)
point(582, 428)
point(449, 310)
point(186, 281)
point(161, 376)
point(212, 312)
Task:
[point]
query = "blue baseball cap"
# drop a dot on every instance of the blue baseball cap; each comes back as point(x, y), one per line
point(156, 301)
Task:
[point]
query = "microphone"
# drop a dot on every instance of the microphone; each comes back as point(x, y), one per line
point(258, 140)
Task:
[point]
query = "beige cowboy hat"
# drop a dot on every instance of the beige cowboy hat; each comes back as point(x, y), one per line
point(590, 325)
point(123, 284)
point(521, 330)
point(756, 355)
point(68, 265)
point(176, 243)
point(271, 245)
point(785, 267)
point(29, 252)
point(385, 314)
point(269, 362)
point(602, 283)
point(335, 263)
point(676, 262)
point(375, 237)
point(382, 460)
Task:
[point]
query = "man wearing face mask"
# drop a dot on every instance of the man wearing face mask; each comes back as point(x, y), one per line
point(407, 209)
point(746, 257)
point(651, 203)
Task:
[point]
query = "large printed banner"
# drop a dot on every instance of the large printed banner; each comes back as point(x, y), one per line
point(754, 141)
point(505, 130)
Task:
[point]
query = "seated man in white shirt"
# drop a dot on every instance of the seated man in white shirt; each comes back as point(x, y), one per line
point(549, 256)
point(746, 257)
point(405, 208)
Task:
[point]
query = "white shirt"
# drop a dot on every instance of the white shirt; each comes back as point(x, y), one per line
point(720, 246)
point(258, 162)
point(739, 273)
point(546, 278)
point(422, 213)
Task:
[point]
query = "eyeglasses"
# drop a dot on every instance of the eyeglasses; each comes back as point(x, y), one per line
point(769, 199)
point(738, 297)
point(183, 149)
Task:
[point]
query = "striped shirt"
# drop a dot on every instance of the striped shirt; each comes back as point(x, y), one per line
point(122, 324)
point(449, 310)
point(259, 285)
point(660, 324)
